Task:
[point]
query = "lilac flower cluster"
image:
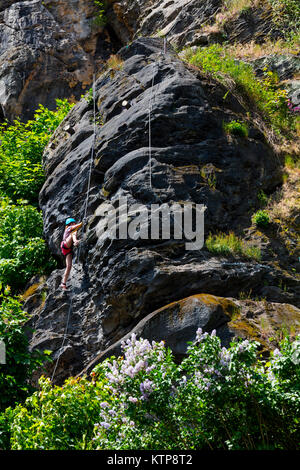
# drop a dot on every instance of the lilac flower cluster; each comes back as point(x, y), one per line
point(225, 358)
point(242, 347)
point(200, 336)
point(277, 353)
point(139, 356)
point(111, 418)
point(202, 382)
point(146, 388)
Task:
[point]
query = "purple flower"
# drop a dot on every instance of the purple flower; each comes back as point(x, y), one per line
point(104, 404)
point(277, 353)
point(146, 386)
point(243, 346)
point(133, 399)
point(105, 425)
point(207, 386)
point(198, 333)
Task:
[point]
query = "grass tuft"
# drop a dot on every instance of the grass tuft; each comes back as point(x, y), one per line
point(230, 244)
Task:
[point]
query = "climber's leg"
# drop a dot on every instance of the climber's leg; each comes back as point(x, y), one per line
point(67, 270)
point(68, 241)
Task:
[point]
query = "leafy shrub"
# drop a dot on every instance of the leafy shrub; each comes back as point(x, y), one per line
point(217, 398)
point(286, 14)
point(223, 244)
point(236, 128)
point(21, 149)
point(100, 18)
point(261, 218)
point(263, 94)
point(23, 252)
point(57, 418)
point(20, 363)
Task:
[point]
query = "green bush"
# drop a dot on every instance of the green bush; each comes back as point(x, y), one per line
point(21, 149)
point(57, 418)
point(23, 252)
point(261, 218)
point(286, 14)
point(20, 363)
point(100, 19)
point(217, 398)
point(262, 95)
point(223, 244)
point(236, 128)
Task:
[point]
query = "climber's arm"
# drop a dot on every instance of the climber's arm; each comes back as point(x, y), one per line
point(74, 233)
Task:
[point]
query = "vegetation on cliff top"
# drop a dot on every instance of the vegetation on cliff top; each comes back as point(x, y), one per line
point(259, 95)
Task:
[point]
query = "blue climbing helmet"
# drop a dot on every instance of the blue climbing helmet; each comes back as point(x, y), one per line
point(70, 220)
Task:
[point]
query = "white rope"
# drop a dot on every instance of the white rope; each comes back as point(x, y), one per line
point(92, 152)
point(149, 131)
point(84, 217)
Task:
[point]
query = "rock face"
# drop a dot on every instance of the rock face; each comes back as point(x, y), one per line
point(177, 323)
point(47, 50)
point(179, 20)
point(116, 283)
point(251, 24)
point(155, 287)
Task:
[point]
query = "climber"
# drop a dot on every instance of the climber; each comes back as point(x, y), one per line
point(69, 239)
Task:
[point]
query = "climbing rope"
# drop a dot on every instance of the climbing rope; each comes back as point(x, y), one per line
point(83, 220)
point(149, 131)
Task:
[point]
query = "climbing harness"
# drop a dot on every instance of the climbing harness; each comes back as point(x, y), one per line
point(83, 221)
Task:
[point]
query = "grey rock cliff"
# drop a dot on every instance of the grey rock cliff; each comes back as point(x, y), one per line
point(48, 50)
point(116, 283)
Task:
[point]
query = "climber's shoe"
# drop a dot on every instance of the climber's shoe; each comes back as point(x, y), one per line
point(64, 286)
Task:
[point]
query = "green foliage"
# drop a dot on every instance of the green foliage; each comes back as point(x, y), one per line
point(20, 363)
point(57, 418)
point(262, 95)
point(100, 18)
point(23, 252)
point(286, 14)
point(89, 97)
point(262, 197)
point(261, 218)
point(223, 244)
point(291, 161)
point(21, 149)
point(217, 398)
point(236, 128)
